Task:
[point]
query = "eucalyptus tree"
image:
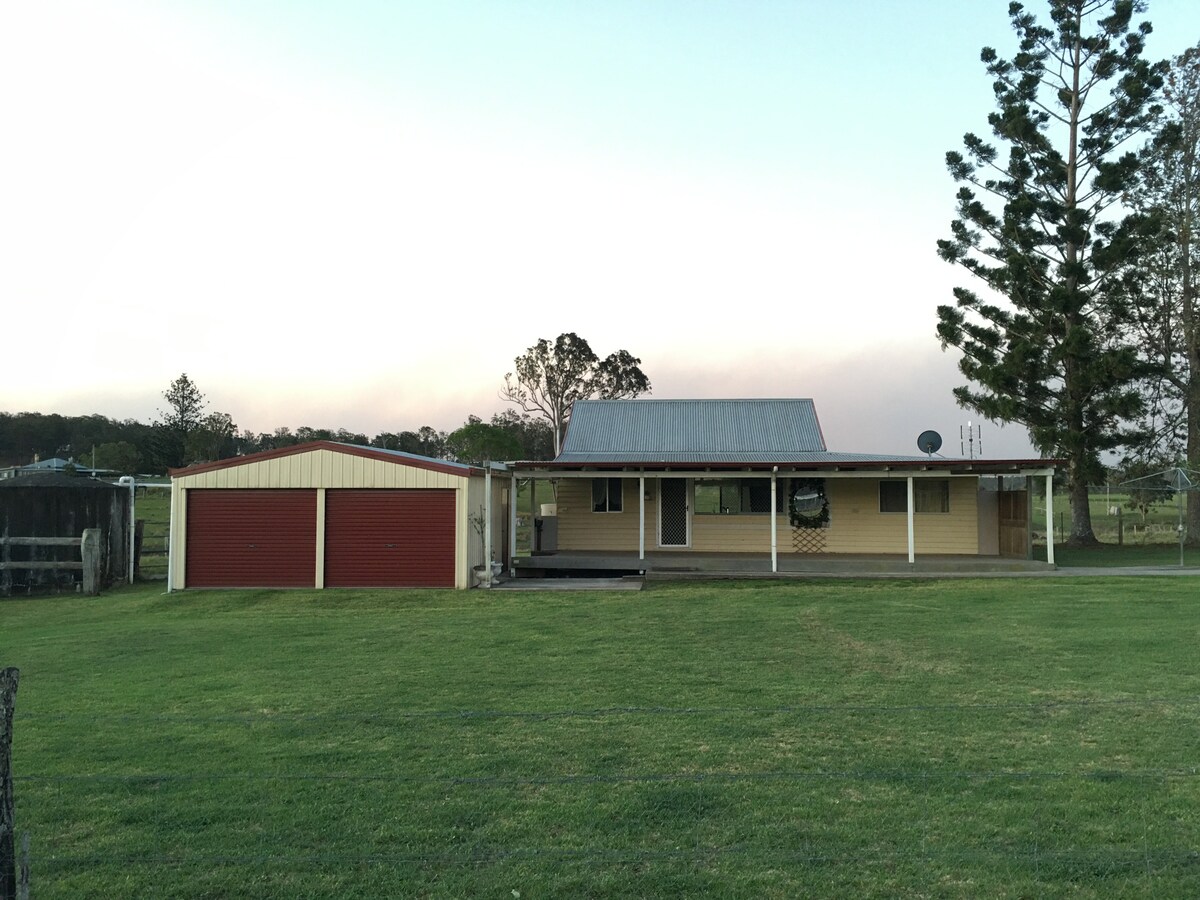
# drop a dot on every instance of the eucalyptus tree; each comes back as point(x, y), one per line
point(1040, 228)
point(1167, 277)
point(550, 377)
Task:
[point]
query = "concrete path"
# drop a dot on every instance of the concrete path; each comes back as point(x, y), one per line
point(570, 584)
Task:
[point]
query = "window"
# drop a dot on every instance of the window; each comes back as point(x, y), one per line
point(606, 495)
point(735, 496)
point(893, 496)
point(930, 495)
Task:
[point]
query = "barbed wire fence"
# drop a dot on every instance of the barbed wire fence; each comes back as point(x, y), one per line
point(467, 801)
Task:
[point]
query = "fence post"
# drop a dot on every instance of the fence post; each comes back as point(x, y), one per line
point(139, 535)
point(23, 869)
point(5, 556)
point(1120, 528)
point(90, 551)
point(8, 831)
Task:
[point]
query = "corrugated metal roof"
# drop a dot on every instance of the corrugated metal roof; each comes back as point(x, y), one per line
point(691, 430)
point(413, 457)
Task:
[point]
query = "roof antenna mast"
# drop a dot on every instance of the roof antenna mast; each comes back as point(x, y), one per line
point(974, 436)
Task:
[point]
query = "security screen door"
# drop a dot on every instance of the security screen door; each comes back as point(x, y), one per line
point(673, 512)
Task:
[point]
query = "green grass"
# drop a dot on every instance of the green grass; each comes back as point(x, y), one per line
point(544, 494)
point(153, 507)
point(1130, 528)
point(1129, 555)
point(943, 739)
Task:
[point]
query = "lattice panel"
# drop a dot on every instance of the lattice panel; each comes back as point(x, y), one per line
point(808, 540)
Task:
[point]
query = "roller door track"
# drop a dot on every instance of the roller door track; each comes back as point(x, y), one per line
point(251, 538)
point(389, 538)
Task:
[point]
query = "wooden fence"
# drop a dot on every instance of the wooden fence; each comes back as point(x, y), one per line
point(89, 562)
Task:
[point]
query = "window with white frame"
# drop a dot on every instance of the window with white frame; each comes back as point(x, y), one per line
point(737, 496)
point(606, 495)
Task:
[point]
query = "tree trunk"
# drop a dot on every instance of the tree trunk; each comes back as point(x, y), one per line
point(1082, 534)
point(1191, 396)
point(1192, 402)
point(1078, 470)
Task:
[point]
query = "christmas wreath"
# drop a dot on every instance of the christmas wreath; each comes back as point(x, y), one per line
point(808, 507)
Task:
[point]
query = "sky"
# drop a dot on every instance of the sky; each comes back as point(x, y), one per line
point(357, 214)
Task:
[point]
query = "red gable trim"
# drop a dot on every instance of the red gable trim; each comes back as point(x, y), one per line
point(335, 447)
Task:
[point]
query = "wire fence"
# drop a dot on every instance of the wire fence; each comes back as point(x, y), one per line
point(1091, 797)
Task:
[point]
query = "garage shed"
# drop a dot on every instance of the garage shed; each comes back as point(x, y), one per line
point(325, 514)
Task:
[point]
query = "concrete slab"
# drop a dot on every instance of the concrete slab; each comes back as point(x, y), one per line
point(570, 584)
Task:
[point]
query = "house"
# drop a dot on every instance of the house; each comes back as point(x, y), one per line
point(325, 514)
point(742, 477)
point(55, 464)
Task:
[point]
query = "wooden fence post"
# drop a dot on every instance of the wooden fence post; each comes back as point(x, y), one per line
point(5, 572)
point(90, 551)
point(23, 869)
point(8, 831)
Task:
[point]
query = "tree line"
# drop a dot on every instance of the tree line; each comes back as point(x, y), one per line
point(132, 447)
point(550, 376)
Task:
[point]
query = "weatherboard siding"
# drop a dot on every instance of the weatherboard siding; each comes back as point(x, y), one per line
point(746, 533)
point(581, 529)
point(857, 526)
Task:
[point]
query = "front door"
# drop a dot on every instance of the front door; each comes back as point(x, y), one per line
point(674, 514)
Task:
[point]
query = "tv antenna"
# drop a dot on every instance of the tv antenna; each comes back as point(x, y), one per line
point(974, 436)
point(929, 442)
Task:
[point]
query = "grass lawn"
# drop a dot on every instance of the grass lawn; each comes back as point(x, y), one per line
point(942, 739)
point(153, 506)
point(1131, 528)
point(1128, 555)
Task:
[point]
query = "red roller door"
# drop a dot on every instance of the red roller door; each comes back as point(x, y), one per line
point(251, 538)
point(389, 538)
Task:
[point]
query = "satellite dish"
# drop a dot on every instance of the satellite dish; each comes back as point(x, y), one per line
point(929, 442)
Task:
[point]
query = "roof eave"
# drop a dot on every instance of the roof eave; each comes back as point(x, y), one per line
point(334, 446)
point(977, 466)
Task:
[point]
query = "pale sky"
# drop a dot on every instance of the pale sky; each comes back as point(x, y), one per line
point(356, 214)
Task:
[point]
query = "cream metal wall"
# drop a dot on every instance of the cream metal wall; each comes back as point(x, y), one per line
point(476, 491)
point(323, 470)
point(856, 524)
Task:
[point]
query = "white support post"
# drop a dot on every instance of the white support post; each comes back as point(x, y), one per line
point(177, 500)
point(912, 542)
point(319, 564)
point(512, 526)
point(642, 516)
point(1050, 519)
point(487, 525)
point(132, 483)
point(774, 523)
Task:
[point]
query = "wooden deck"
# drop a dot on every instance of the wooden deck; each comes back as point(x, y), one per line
point(716, 565)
